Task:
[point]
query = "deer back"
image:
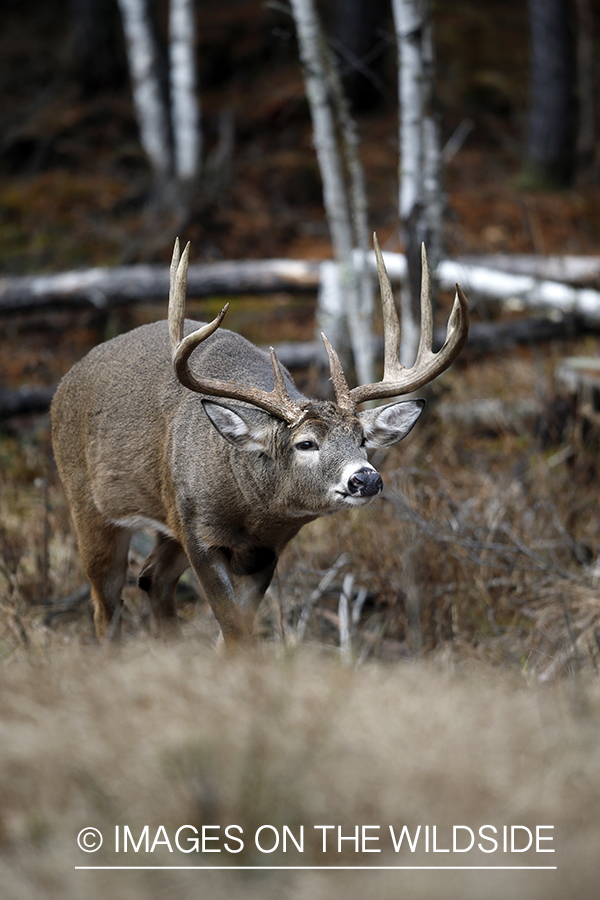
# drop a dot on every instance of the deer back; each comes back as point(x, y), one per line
point(126, 432)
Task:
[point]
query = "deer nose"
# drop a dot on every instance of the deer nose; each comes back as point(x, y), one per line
point(365, 483)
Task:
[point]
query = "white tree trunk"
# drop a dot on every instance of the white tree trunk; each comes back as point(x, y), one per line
point(411, 200)
point(419, 193)
point(331, 314)
point(185, 108)
point(152, 115)
point(325, 137)
point(407, 20)
point(313, 54)
point(433, 197)
point(361, 328)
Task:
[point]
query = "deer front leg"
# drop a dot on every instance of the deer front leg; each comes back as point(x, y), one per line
point(250, 590)
point(213, 572)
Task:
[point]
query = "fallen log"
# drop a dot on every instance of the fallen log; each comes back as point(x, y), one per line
point(521, 291)
point(485, 337)
point(103, 287)
point(581, 271)
point(517, 290)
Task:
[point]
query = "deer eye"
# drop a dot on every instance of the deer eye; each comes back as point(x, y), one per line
point(363, 443)
point(307, 445)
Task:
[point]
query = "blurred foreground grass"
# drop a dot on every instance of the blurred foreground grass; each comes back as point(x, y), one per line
point(159, 738)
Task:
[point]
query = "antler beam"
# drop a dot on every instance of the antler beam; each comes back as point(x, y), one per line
point(397, 379)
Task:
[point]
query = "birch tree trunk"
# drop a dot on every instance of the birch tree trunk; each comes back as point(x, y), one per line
point(361, 326)
point(320, 90)
point(169, 125)
point(185, 111)
point(144, 64)
point(420, 195)
point(432, 162)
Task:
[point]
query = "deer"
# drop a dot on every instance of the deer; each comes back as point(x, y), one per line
point(142, 438)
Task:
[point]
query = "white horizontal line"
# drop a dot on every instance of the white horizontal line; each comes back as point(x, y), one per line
point(326, 868)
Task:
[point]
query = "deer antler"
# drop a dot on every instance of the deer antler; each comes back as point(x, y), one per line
point(277, 402)
point(397, 379)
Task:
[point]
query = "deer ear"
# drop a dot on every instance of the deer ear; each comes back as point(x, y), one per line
point(386, 425)
point(235, 428)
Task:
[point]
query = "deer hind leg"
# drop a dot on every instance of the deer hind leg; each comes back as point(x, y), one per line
point(103, 548)
point(158, 577)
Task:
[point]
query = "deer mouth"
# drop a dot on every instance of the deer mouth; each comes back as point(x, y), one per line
point(354, 499)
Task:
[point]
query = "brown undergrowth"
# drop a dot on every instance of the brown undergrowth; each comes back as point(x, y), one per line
point(484, 544)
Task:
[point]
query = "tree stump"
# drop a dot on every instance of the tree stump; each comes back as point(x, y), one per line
point(579, 376)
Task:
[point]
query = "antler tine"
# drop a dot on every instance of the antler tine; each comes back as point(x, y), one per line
point(277, 402)
point(174, 316)
point(294, 413)
point(182, 347)
point(338, 379)
point(428, 365)
point(391, 328)
point(457, 331)
point(426, 340)
point(391, 323)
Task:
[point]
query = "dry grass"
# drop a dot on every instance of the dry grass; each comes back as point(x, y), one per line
point(176, 736)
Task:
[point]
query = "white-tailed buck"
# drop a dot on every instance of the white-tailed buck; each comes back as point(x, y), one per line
point(139, 443)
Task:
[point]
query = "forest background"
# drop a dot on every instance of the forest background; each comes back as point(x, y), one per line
point(76, 190)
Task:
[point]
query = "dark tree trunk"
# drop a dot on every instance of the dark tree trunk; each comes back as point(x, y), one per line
point(552, 105)
point(98, 47)
point(359, 42)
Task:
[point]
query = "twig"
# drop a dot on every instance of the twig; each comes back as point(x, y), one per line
point(358, 605)
point(567, 619)
point(345, 642)
point(68, 605)
point(322, 587)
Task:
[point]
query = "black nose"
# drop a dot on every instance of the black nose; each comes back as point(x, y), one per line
point(365, 483)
